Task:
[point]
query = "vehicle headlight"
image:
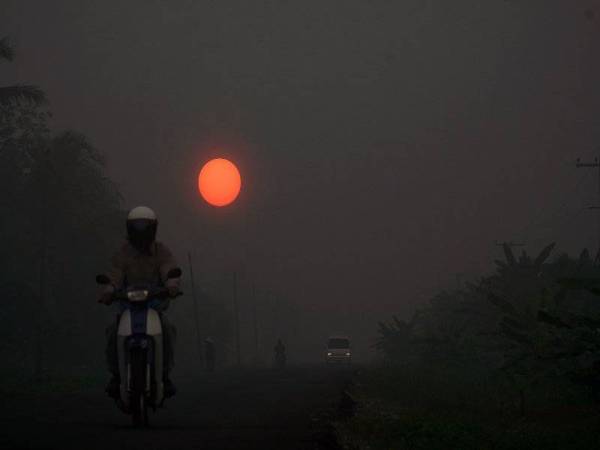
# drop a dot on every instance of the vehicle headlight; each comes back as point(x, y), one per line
point(347, 353)
point(137, 296)
point(329, 353)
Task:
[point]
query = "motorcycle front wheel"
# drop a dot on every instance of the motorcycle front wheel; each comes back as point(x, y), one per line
point(137, 399)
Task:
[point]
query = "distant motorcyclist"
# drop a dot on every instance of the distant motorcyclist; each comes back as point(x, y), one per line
point(280, 356)
point(209, 354)
point(141, 260)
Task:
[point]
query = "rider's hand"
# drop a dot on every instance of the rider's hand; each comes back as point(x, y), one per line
point(172, 286)
point(107, 295)
point(106, 298)
point(173, 291)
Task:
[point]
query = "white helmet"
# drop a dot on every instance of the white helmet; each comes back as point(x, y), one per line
point(141, 227)
point(141, 212)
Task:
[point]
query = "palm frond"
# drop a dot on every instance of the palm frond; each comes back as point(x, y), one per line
point(501, 264)
point(584, 259)
point(6, 50)
point(544, 254)
point(22, 93)
point(504, 305)
point(510, 257)
point(579, 283)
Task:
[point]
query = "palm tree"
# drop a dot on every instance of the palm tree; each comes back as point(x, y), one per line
point(19, 92)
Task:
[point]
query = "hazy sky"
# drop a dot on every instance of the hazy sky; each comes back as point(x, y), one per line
point(384, 145)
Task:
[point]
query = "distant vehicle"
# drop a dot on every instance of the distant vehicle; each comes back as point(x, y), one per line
point(338, 350)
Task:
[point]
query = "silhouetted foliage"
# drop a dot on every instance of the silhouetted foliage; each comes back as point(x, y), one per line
point(64, 216)
point(11, 95)
point(525, 322)
point(6, 50)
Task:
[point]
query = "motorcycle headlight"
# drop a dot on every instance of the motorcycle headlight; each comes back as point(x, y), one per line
point(137, 296)
point(329, 353)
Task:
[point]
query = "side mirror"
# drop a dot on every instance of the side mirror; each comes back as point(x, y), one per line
point(174, 273)
point(102, 279)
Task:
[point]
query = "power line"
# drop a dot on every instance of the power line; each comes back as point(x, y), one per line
point(536, 222)
point(195, 299)
point(509, 243)
point(593, 165)
point(559, 216)
point(560, 225)
point(237, 321)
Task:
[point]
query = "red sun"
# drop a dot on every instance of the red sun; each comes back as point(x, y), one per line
point(219, 182)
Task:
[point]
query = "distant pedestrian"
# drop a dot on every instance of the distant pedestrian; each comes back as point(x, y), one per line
point(280, 356)
point(209, 354)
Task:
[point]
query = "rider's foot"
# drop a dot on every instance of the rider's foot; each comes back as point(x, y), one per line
point(170, 390)
point(113, 387)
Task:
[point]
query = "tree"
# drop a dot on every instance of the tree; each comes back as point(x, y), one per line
point(20, 92)
point(64, 217)
point(529, 322)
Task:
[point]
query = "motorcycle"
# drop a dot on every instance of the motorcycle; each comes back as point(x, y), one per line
point(280, 360)
point(140, 348)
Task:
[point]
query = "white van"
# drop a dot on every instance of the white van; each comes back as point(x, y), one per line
point(338, 350)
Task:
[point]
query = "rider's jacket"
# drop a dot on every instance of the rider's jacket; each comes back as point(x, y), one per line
point(129, 266)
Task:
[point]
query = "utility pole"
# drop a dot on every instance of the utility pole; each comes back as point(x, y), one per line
point(276, 326)
point(459, 277)
point(511, 244)
point(40, 317)
point(199, 339)
point(255, 322)
point(44, 174)
point(237, 320)
point(596, 165)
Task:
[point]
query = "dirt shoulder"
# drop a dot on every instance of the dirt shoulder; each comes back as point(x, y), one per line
point(404, 409)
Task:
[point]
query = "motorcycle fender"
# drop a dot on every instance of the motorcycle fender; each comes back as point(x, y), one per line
point(153, 325)
point(124, 324)
point(154, 329)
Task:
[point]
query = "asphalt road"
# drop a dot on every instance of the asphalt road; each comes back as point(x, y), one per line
point(246, 409)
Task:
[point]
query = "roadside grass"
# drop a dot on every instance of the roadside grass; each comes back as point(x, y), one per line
point(424, 408)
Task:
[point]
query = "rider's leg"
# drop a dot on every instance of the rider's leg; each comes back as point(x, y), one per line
point(112, 360)
point(169, 336)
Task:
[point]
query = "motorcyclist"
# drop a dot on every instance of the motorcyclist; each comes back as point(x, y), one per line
point(209, 354)
point(280, 356)
point(141, 260)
